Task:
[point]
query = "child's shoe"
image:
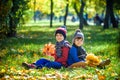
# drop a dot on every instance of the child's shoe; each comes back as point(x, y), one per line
point(104, 63)
point(28, 66)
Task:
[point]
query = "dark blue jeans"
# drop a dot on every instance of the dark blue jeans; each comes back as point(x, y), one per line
point(47, 63)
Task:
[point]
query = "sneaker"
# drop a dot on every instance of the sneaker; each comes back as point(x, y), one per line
point(104, 63)
point(28, 66)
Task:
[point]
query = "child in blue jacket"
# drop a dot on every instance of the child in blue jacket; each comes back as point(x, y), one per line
point(77, 53)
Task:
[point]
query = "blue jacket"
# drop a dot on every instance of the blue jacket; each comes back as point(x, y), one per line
point(74, 57)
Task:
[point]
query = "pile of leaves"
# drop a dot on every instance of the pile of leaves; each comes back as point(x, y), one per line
point(12, 73)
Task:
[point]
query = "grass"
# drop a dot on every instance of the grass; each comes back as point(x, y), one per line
point(28, 48)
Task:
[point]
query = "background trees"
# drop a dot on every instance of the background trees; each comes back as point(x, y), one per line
point(16, 13)
point(12, 12)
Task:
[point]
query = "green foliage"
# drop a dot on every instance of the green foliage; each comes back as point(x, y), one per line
point(27, 16)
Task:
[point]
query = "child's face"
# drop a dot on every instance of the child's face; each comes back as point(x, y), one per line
point(59, 37)
point(78, 41)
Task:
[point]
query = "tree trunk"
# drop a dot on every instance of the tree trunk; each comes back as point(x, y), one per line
point(66, 13)
point(77, 12)
point(107, 18)
point(34, 10)
point(13, 21)
point(12, 27)
point(85, 22)
point(51, 16)
point(81, 14)
point(5, 8)
point(109, 15)
point(112, 17)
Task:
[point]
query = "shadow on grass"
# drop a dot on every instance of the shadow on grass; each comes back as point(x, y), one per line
point(94, 36)
point(32, 37)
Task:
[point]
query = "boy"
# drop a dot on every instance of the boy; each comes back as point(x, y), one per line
point(77, 54)
point(61, 53)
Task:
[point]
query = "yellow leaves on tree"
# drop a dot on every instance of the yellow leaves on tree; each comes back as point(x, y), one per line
point(49, 49)
point(92, 60)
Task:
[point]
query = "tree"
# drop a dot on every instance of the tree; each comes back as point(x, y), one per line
point(15, 15)
point(51, 14)
point(5, 8)
point(34, 10)
point(11, 12)
point(66, 12)
point(110, 15)
point(80, 12)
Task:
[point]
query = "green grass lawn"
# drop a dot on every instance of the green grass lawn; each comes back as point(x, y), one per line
point(28, 48)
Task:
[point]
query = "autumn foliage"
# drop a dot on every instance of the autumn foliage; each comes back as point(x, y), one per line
point(49, 49)
point(92, 60)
